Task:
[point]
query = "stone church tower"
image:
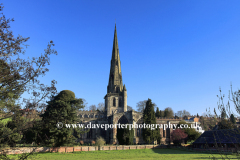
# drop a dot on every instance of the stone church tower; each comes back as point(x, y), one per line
point(116, 108)
point(116, 97)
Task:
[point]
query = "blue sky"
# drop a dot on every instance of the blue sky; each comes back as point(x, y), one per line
point(178, 53)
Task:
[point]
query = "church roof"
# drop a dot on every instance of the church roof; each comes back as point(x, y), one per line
point(219, 136)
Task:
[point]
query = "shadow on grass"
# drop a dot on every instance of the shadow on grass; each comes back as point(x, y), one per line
point(205, 154)
point(173, 151)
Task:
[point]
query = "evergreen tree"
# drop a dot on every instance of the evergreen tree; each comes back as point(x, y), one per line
point(232, 119)
point(197, 115)
point(125, 136)
point(165, 113)
point(161, 113)
point(158, 114)
point(63, 109)
point(150, 118)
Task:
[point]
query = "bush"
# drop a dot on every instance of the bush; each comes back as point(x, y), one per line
point(93, 142)
point(177, 136)
point(100, 141)
point(81, 142)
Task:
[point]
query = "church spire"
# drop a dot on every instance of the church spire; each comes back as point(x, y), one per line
point(115, 52)
point(115, 77)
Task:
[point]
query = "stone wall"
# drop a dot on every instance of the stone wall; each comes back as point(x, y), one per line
point(76, 149)
point(96, 148)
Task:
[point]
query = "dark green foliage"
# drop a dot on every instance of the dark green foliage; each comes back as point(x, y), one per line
point(120, 132)
point(183, 122)
point(158, 114)
point(225, 124)
point(232, 119)
point(191, 132)
point(125, 136)
point(149, 118)
point(161, 113)
point(32, 134)
point(10, 91)
point(168, 112)
point(63, 109)
point(65, 95)
point(10, 133)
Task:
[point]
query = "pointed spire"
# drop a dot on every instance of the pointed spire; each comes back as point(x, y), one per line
point(115, 77)
point(124, 88)
point(115, 44)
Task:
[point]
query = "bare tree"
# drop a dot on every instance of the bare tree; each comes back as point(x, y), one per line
point(101, 106)
point(186, 113)
point(225, 111)
point(183, 113)
point(92, 108)
point(179, 114)
point(204, 114)
point(141, 105)
point(129, 108)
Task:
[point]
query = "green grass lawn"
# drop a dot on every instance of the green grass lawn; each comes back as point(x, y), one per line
point(137, 154)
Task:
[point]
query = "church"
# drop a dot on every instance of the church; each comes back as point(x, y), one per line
point(116, 108)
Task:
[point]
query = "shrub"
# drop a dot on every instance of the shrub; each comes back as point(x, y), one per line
point(93, 142)
point(81, 142)
point(100, 141)
point(177, 136)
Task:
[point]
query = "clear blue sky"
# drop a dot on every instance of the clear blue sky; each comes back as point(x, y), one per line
point(178, 53)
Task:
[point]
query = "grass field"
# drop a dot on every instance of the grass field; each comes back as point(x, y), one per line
point(141, 154)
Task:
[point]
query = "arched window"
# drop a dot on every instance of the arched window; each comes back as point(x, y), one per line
point(139, 132)
point(114, 102)
point(120, 102)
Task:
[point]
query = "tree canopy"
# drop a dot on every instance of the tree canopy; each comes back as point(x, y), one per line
point(62, 108)
point(168, 112)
